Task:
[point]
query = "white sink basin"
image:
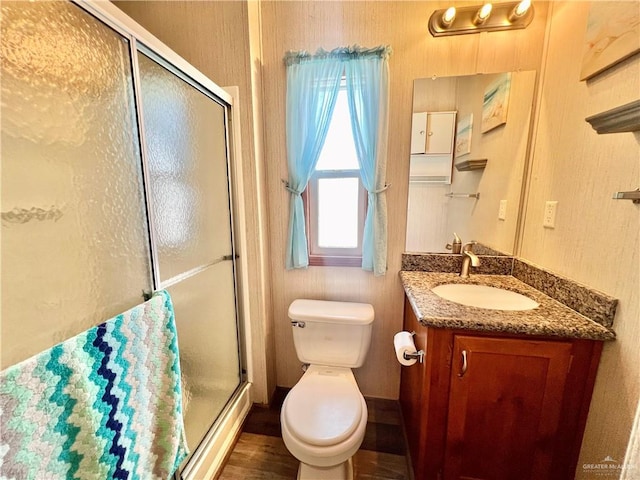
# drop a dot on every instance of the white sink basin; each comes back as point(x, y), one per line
point(481, 296)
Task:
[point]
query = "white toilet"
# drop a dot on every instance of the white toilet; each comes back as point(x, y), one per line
point(324, 416)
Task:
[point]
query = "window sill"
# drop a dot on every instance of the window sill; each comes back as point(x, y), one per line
point(334, 261)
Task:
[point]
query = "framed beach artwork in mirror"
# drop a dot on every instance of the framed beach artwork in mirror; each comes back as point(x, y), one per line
point(495, 103)
point(464, 130)
point(613, 34)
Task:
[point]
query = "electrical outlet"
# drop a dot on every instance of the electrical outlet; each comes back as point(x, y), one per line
point(549, 220)
point(502, 211)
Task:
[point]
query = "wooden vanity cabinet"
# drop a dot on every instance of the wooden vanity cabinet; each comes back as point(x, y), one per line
point(514, 409)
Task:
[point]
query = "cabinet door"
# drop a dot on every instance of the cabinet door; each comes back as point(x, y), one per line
point(418, 132)
point(432, 133)
point(504, 407)
point(440, 130)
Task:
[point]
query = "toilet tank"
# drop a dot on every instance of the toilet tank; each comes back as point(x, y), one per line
point(334, 333)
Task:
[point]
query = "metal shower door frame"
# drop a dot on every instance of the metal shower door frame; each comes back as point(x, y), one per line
point(141, 41)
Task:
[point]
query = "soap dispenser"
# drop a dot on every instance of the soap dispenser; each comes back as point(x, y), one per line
point(456, 246)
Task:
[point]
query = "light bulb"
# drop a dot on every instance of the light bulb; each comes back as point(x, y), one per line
point(519, 10)
point(448, 17)
point(522, 8)
point(485, 11)
point(482, 14)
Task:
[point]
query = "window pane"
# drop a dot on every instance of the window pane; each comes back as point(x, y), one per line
point(339, 151)
point(208, 346)
point(338, 212)
point(185, 133)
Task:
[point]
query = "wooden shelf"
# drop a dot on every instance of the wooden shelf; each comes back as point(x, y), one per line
point(625, 118)
point(467, 165)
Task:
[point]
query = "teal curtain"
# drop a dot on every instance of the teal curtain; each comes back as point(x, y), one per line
point(368, 94)
point(313, 82)
point(312, 89)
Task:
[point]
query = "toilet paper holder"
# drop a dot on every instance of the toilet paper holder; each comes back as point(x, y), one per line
point(416, 355)
point(410, 356)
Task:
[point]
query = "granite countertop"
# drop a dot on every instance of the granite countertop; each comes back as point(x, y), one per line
point(551, 318)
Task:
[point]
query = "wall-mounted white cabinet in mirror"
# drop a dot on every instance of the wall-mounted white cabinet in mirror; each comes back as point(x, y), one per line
point(432, 217)
point(432, 137)
point(432, 133)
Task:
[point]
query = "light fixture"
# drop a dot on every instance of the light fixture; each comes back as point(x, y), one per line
point(482, 14)
point(481, 18)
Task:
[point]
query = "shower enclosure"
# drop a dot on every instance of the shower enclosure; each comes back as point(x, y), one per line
point(115, 183)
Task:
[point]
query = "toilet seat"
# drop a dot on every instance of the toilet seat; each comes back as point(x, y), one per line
point(323, 409)
point(312, 403)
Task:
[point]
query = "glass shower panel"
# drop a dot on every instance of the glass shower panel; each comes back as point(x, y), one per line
point(74, 235)
point(187, 161)
point(208, 346)
point(185, 136)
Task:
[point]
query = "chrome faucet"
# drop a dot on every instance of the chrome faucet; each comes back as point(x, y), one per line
point(468, 259)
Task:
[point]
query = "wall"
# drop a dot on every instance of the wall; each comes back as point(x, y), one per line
point(403, 25)
point(596, 239)
point(222, 40)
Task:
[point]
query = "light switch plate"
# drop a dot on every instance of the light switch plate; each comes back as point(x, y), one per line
point(502, 211)
point(549, 220)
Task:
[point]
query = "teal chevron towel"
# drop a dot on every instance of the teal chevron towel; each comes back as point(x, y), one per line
point(104, 404)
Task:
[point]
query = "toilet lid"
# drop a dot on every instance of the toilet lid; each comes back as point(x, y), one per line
point(323, 409)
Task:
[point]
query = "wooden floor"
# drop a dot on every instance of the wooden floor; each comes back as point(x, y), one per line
point(261, 454)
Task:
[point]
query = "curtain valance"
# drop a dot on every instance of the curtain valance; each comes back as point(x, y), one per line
point(340, 53)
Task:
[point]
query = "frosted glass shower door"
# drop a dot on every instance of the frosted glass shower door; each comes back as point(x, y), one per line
point(75, 247)
point(186, 151)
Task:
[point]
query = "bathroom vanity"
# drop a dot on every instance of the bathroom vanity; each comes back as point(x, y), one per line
point(500, 394)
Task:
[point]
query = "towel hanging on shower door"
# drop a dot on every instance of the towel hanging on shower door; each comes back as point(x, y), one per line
point(104, 404)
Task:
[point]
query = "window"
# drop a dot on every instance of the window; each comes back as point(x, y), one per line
point(335, 198)
point(313, 83)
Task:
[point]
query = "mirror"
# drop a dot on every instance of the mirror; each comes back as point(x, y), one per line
point(491, 120)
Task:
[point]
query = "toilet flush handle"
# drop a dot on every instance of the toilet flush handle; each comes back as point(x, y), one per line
point(297, 323)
